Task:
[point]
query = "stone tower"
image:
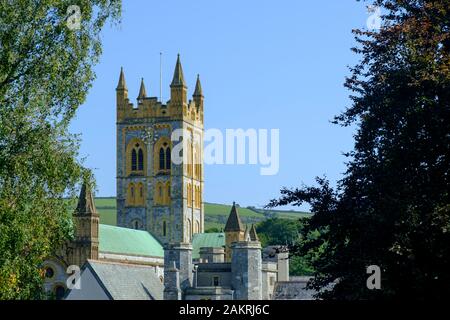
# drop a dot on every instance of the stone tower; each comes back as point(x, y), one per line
point(246, 266)
point(86, 218)
point(234, 231)
point(178, 269)
point(154, 192)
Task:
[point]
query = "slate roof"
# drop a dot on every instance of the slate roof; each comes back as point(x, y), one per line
point(206, 240)
point(128, 241)
point(293, 290)
point(234, 221)
point(122, 281)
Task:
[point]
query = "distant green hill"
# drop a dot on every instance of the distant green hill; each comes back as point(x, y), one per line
point(215, 214)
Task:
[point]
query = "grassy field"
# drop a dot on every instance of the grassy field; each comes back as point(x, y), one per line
point(215, 214)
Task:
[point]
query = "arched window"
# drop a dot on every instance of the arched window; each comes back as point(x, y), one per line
point(161, 159)
point(197, 226)
point(168, 161)
point(164, 229)
point(133, 160)
point(162, 193)
point(139, 194)
point(59, 292)
point(130, 201)
point(162, 156)
point(136, 225)
point(140, 160)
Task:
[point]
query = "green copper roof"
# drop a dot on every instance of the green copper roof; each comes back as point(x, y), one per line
point(211, 240)
point(128, 241)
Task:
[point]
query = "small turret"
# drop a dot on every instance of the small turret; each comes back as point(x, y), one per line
point(122, 85)
point(178, 88)
point(172, 290)
point(178, 268)
point(142, 93)
point(178, 76)
point(198, 97)
point(198, 92)
point(253, 234)
point(86, 218)
point(121, 95)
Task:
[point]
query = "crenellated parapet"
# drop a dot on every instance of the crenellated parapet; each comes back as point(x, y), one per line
point(177, 108)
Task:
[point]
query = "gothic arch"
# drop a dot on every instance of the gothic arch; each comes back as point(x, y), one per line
point(139, 194)
point(136, 224)
point(131, 194)
point(162, 160)
point(135, 157)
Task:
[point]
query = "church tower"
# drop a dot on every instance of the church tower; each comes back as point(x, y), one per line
point(154, 192)
point(86, 219)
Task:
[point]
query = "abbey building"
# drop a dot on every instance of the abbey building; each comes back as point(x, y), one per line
point(159, 250)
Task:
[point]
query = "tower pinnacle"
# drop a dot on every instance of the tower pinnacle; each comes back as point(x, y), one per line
point(178, 77)
point(234, 221)
point(142, 92)
point(198, 92)
point(86, 206)
point(122, 84)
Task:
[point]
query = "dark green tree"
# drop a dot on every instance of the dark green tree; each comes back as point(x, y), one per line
point(46, 62)
point(275, 231)
point(391, 208)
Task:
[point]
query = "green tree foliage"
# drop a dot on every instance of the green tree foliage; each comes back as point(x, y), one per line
point(276, 231)
point(391, 209)
point(45, 74)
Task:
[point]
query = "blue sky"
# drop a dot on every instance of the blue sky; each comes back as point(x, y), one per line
point(263, 64)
